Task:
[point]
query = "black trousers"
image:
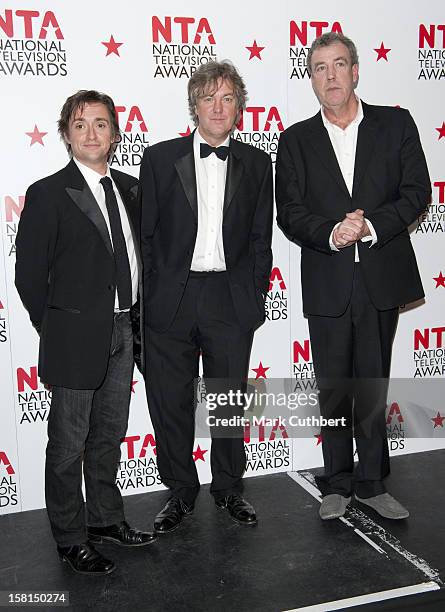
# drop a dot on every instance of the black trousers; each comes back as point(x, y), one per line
point(352, 358)
point(85, 426)
point(205, 324)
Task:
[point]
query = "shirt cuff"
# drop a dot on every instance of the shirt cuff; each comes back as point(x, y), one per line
point(331, 242)
point(373, 237)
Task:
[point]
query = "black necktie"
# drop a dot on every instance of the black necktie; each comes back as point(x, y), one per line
point(123, 273)
point(221, 152)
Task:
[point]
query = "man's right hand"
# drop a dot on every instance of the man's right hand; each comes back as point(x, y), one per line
point(351, 230)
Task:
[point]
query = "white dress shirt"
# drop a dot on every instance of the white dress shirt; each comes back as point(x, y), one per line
point(211, 172)
point(344, 143)
point(93, 181)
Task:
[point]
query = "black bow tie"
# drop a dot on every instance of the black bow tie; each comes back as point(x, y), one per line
point(221, 152)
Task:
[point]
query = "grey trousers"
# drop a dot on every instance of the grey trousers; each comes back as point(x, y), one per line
point(85, 427)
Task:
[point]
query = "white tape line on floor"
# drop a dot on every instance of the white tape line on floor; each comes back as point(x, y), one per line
point(350, 602)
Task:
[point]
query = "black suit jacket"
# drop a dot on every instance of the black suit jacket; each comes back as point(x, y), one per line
point(65, 274)
point(170, 220)
point(391, 184)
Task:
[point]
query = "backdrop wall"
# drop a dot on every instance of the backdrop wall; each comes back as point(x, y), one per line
point(142, 54)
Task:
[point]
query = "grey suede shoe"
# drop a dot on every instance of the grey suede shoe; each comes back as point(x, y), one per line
point(385, 505)
point(333, 506)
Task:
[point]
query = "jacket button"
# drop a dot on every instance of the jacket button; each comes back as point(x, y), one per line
point(111, 287)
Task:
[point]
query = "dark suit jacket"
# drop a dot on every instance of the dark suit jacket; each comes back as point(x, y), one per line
point(391, 184)
point(170, 220)
point(65, 274)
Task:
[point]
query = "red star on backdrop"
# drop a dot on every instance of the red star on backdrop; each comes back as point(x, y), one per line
point(255, 51)
point(199, 454)
point(382, 52)
point(186, 133)
point(440, 280)
point(112, 46)
point(319, 439)
point(133, 382)
point(438, 420)
point(260, 371)
point(441, 131)
point(36, 136)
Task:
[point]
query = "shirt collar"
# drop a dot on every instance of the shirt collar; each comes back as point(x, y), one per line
point(91, 176)
point(198, 139)
point(356, 120)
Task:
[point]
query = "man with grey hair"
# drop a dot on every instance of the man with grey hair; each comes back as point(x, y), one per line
point(349, 182)
point(206, 231)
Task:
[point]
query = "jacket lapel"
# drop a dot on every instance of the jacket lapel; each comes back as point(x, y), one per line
point(366, 139)
point(235, 171)
point(81, 195)
point(185, 167)
point(320, 141)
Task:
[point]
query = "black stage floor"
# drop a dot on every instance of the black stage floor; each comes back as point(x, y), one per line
point(290, 560)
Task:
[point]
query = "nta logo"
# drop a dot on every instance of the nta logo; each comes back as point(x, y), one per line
point(182, 27)
point(276, 275)
point(429, 35)
point(6, 464)
point(314, 28)
point(28, 22)
point(134, 114)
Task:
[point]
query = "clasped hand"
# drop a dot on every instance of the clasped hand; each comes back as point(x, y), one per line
point(352, 229)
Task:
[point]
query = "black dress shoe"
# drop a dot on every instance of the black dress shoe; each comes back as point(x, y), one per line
point(171, 515)
point(84, 559)
point(121, 534)
point(239, 509)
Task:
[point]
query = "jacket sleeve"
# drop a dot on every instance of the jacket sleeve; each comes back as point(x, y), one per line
point(262, 231)
point(414, 192)
point(297, 222)
point(149, 215)
point(35, 246)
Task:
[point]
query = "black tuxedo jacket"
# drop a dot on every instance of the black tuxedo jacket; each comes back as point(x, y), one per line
point(391, 184)
point(65, 274)
point(170, 220)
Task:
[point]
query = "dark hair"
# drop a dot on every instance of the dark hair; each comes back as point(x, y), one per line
point(330, 38)
point(207, 76)
point(77, 102)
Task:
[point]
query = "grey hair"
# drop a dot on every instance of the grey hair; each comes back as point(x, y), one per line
point(330, 38)
point(205, 79)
